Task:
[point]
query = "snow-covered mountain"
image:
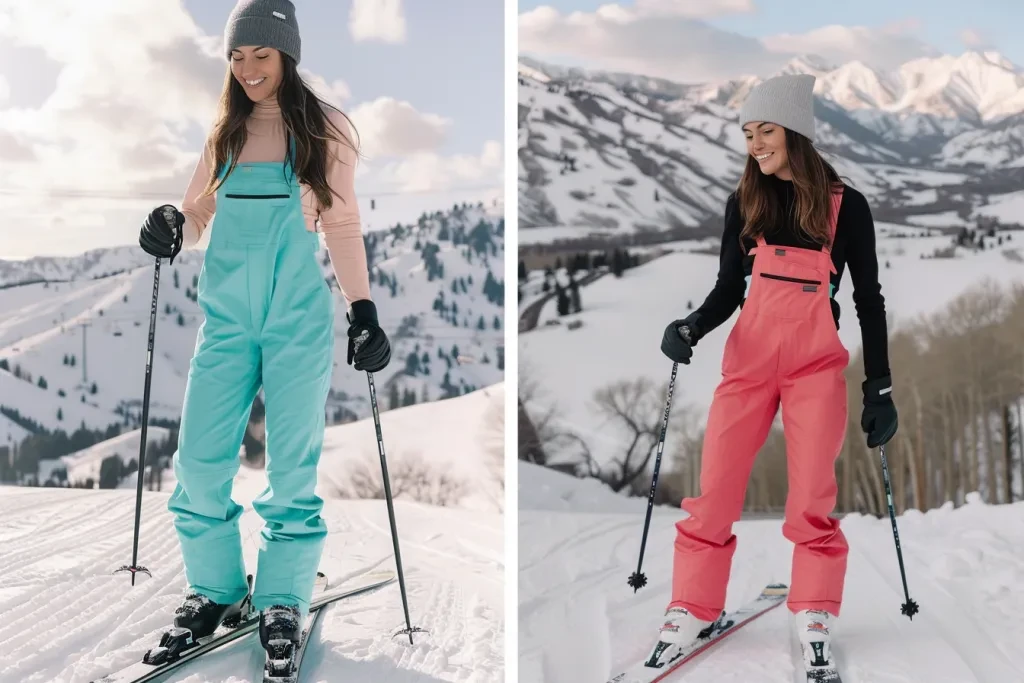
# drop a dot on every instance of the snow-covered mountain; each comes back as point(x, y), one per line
point(73, 331)
point(613, 153)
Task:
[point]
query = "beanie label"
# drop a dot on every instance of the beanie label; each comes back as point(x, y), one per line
point(279, 16)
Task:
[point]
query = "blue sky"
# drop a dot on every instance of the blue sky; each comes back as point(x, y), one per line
point(104, 107)
point(938, 23)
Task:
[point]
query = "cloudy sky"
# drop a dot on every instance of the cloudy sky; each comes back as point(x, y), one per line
point(104, 107)
point(697, 40)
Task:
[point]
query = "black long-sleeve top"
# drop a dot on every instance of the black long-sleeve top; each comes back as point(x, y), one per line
point(854, 244)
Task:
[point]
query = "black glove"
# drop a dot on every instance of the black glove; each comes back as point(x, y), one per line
point(368, 346)
point(161, 234)
point(680, 337)
point(879, 420)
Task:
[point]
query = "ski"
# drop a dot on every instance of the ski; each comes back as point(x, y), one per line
point(829, 675)
point(666, 658)
point(141, 672)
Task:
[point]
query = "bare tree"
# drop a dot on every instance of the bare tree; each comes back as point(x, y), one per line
point(410, 476)
point(637, 408)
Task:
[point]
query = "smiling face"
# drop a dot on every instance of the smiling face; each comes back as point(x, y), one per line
point(766, 142)
point(258, 70)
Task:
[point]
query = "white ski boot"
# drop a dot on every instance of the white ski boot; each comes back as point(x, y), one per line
point(681, 627)
point(680, 631)
point(813, 630)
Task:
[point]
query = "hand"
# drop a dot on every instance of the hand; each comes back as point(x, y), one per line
point(161, 234)
point(368, 346)
point(676, 343)
point(679, 339)
point(879, 420)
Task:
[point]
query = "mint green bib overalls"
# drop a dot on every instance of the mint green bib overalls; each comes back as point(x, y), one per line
point(270, 321)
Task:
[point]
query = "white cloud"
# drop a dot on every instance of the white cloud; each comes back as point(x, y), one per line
point(336, 92)
point(975, 39)
point(433, 172)
point(693, 8)
point(669, 39)
point(884, 49)
point(119, 128)
point(382, 20)
point(5, 89)
point(656, 38)
point(120, 109)
point(390, 127)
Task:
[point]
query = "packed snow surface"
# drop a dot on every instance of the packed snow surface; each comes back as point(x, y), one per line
point(579, 621)
point(68, 619)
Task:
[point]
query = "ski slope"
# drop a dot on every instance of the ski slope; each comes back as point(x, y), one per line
point(67, 619)
point(647, 298)
point(579, 622)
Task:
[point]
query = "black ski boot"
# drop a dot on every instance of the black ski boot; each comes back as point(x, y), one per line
point(280, 632)
point(196, 618)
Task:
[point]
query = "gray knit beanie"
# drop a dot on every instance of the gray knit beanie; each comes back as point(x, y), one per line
point(270, 23)
point(787, 101)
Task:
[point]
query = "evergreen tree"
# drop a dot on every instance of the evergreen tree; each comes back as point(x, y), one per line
point(562, 299)
point(412, 364)
point(393, 398)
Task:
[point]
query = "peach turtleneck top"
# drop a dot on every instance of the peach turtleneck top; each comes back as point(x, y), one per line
point(340, 225)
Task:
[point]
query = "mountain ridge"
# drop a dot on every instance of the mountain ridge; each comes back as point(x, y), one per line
point(614, 155)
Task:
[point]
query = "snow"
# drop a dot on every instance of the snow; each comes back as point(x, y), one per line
point(69, 619)
point(580, 621)
point(1008, 208)
point(945, 218)
point(649, 297)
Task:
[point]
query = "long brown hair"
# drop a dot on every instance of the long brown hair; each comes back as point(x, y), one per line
point(814, 179)
point(305, 121)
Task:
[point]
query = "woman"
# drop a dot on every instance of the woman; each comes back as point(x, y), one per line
point(275, 163)
point(790, 229)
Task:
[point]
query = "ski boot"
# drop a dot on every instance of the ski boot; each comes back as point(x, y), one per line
point(679, 631)
point(280, 633)
point(196, 619)
point(812, 630)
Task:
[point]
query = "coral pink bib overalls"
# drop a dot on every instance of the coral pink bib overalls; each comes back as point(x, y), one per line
point(783, 348)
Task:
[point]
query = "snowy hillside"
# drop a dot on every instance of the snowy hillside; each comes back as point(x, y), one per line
point(73, 339)
point(580, 621)
point(448, 453)
point(68, 619)
point(652, 295)
point(613, 154)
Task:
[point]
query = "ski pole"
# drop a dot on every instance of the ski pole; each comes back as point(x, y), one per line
point(134, 567)
point(910, 607)
point(638, 579)
point(391, 509)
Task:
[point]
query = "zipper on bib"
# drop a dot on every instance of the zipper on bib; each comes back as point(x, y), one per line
point(257, 196)
point(790, 279)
